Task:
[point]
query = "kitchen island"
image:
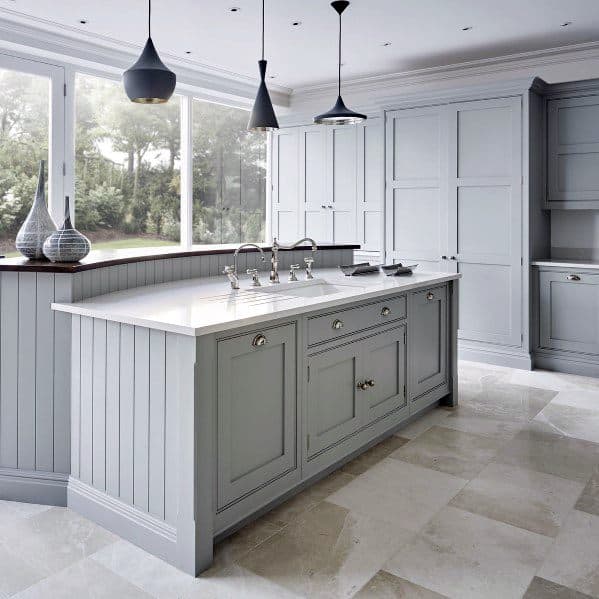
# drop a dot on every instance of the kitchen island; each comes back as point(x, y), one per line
point(195, 407)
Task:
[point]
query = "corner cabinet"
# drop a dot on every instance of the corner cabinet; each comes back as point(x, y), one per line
point(328, 183)
point(256, 411)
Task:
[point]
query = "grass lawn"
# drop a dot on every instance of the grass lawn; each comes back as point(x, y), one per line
point(117, 244)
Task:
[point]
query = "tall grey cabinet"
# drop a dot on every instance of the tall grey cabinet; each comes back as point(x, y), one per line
point(457, 200)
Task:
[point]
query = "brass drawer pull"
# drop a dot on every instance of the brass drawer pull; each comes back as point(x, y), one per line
point(385, 311)
point(430, 296)
point(370, 382)
point(573, 278)
point(259, 340)
point(337, 324)
point(362, 386)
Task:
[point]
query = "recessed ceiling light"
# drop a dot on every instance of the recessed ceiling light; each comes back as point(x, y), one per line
point(234, 9)
point(467, 28)
point(566, 24)
point(385, 44)
point(83, 21)
point(296, 23)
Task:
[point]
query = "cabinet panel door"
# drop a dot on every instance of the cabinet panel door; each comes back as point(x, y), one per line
point(371, 185)
point(285, 185)
point(428, 340)
point(573, 153)
point(333, 407)
point(416, 197)
point(485, 217)
point(569, 311)
point(384, 358)
point(257, 414)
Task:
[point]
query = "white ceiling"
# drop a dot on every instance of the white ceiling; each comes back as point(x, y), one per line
point(423, 33)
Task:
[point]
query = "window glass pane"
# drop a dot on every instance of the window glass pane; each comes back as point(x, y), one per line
point(24, 138)
point(229, 176)
point(127, 183)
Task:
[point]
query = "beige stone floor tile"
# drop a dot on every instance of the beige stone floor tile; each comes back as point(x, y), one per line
point(539, 448)
point(556, 381)
point(327, 552)
point(81, 580)
point(16, 574)
point(589, 498)
point(574, 557)
point(545, 589)
point(399, 493)
point(21, 509)
point(531, 500)
point(447, 450)
point(387, 586)
point(143, 570)
point(424, 422)
point(308, 498)
point(54, 539)
point(374, 455)
point(587, 400)
point(571, 421)
point(467, 556)
point(470, 420)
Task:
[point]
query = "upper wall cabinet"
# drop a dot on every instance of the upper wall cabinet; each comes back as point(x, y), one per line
point(328, 183)
point(573, 153)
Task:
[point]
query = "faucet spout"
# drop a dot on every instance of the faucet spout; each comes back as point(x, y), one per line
point(245, 245)
point(274, 256)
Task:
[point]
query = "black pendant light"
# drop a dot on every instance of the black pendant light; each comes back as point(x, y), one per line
point(149, 81)
point(263, 116)
point(339, 114)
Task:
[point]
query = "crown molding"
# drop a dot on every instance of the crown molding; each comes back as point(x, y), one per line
point(47, 39)
point(486, 66)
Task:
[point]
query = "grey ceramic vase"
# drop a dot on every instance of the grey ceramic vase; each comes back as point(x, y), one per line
point(66, 244)
point(38, 225)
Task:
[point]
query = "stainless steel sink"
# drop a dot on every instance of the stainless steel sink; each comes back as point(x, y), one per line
point(313, 288)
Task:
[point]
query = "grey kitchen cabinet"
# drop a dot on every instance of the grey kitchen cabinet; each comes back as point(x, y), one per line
point(256, 405)
point(285, 184)
point(352, 385)
point(428, 348)
point(573, 152)
point(569, 311)
point(416, 197)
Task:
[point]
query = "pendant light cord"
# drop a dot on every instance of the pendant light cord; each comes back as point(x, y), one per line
point(149, 18)
point(339, 75)
point(262, 29)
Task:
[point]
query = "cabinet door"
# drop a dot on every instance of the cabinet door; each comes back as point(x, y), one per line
point(371, 185)
point(384, 358)
point(285, 185)
point(257, 413)
point(333, 400)
point(569, 311)
point(416, 197)
point(316, 214)
point(427, 318)
point(485, 218)
point(342, 182)
point(573, 153)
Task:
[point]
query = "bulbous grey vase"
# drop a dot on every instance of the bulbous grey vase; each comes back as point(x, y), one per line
point(38, 225)
point(66, 244)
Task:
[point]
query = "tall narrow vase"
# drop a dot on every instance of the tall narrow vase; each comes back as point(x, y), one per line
point(38, 225)
point(66, 244)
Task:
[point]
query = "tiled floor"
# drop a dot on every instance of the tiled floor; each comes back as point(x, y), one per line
point(497, 499)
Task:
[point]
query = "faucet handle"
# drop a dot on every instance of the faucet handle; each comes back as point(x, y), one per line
point(292, 269)
point(255, 278)
point(229, 270)
point(309, 261)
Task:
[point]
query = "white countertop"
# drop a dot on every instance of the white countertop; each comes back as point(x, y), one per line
point(208, 305)
point(567, 263)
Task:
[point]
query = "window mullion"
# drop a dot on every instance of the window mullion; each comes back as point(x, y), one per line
point(186, 172)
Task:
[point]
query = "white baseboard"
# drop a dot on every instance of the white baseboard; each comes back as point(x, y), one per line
point(130, 523)
point(29, 486)
point(563, 364)
point(519, 360)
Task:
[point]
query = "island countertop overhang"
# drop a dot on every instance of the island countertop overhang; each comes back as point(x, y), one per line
point(205, 306)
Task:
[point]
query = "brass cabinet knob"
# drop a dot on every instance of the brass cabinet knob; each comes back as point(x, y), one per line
point(430, 296)
point(363, 386)
point(370, 382)
point(573, 278)
point(259, 340)
point(385, 311)
point(337, 324)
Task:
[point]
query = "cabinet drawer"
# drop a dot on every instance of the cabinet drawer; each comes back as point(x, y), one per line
point(345, 322)
point(569, 311)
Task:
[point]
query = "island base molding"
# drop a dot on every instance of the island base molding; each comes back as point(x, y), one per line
point(29, 486)
point(519, 360)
